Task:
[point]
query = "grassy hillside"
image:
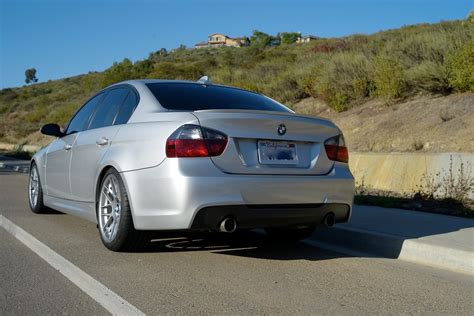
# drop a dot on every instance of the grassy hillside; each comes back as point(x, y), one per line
point(341, 72)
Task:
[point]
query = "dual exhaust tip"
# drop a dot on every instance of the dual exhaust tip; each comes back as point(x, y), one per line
point(229, 224)
point(329, 220)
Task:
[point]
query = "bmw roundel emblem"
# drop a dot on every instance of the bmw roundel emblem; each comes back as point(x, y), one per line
point(282, 129)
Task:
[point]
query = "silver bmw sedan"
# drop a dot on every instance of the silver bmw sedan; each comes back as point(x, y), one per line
point(147, 155)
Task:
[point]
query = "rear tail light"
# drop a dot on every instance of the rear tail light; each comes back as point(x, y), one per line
point(195, 141)
point(336, 149)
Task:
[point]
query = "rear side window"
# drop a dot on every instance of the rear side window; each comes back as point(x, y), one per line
point(81, 119)
point(195, 97)
point(127, 108)
point(108, 108)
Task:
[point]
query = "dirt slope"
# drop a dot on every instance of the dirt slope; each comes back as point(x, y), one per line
point(425, 124)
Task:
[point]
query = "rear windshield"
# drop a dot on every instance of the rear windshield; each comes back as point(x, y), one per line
point(195, 97)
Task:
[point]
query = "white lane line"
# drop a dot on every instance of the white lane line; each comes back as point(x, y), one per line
point(111, 301)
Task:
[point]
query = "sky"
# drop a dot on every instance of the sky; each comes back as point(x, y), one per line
point(63, 38)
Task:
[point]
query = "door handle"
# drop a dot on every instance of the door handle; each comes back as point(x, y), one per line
point(67, 147)
point(102, 141)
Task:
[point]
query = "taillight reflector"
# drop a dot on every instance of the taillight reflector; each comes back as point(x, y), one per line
point(336, 149)
point(195, 141)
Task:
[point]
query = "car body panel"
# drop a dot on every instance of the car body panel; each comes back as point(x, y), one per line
point(84, 210)
point(142, 145)
point(169, 196)
point(85, 160)
point(58, 160)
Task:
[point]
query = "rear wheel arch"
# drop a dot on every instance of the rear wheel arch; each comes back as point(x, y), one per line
point(124, 236)
point(98, 183)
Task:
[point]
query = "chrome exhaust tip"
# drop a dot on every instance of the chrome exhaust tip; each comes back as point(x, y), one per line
point(228, 225)
point(329, 220)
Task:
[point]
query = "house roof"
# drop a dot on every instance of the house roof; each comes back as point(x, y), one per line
point(218, 34)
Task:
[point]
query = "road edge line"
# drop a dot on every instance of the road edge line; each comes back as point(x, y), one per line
point(104, 296)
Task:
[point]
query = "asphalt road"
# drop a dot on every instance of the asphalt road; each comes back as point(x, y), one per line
point(210, 273)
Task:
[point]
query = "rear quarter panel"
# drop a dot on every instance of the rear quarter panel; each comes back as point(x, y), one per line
point(140, 145)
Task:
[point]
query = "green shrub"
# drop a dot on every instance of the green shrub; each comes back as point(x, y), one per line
point(8, 95)
point(461, 68)
point(343, 78)
point(428, 76)
point(118, 72)
point(286, 89)
point(37, 115)
point(388, 77)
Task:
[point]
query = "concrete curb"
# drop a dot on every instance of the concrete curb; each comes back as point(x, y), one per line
point(352, 240)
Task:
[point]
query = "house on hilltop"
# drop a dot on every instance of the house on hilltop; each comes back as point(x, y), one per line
point(306, 39)
point(218, 40)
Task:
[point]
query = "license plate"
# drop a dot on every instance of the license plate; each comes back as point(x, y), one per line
point(277, 153)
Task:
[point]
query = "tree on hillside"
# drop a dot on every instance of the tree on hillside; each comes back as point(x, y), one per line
point(289, 37)
point(118, 72)
point(162, 52)
point(260, 39)
point(30, 76)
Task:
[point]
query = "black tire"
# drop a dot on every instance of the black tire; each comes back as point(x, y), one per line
point(38, 206)
point(126, 238)
point(289, 234)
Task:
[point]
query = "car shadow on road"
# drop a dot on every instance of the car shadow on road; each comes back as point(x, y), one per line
point(252, 244)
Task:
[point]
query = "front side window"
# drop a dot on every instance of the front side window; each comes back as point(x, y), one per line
point(195, 97)
point(80, 120)
point(109, 107)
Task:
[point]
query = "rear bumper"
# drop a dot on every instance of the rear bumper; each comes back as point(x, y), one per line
point(175, 194)
point(257, 216)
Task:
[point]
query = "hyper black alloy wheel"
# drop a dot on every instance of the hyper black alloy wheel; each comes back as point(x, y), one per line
point(35, 193)
point(114, 215)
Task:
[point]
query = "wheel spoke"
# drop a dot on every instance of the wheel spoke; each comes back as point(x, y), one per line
point(108, 199)
point(109, 221)
point(106, 210)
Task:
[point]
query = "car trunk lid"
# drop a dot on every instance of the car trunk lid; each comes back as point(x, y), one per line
point(264, 142)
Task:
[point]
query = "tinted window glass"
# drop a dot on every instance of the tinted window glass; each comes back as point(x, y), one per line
point(194, 97)
point(108, 108)
point(126, 109)
point(81, 119)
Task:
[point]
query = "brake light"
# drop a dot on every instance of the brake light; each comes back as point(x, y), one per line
point(336, 149)
point(195, 141)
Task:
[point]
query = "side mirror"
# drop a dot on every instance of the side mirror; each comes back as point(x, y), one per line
point(52, 130)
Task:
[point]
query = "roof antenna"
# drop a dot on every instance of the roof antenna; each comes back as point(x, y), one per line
point(204, 80)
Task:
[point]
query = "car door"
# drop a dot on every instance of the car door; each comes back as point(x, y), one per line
point(58, 156)
point(91, 144)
